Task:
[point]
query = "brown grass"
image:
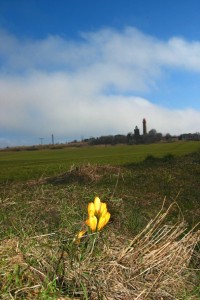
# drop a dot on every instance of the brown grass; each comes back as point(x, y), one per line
point(155, 264)
point(84, 173)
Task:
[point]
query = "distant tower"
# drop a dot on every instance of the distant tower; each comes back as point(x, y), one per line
point(144, 126)
point(136, 132)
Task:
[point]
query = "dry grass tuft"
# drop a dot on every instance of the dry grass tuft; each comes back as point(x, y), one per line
point(155, 263)
point(85, 174)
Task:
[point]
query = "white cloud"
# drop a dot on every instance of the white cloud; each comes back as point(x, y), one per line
point(91, 87)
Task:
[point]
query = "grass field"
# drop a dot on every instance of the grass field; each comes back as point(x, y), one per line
point(24, 165)
point(148, 250)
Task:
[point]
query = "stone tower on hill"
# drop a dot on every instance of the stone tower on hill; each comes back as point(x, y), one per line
point(144, 126)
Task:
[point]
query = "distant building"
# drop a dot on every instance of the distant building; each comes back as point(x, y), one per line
point(144, 126)
point(136, 132)
point(190, 136)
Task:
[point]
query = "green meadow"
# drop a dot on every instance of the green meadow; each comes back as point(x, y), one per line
point(148, 250)
point(24, 165)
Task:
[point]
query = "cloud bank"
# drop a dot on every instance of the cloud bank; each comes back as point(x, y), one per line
point(92, 86)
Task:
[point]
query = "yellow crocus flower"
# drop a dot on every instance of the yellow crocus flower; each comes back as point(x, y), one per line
point(101, 223)
point(103, 209)
point(103, 220)
point(98, 216)
point(92, 223)
point(107, 217)
point(81, 233)
point(91, 209)
point(97, 205)
point(79, 236)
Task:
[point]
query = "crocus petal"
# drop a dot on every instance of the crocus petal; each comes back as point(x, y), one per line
point(103, 209)
point(92, 223)
point(79, 236)
point(101, 223)
point(81, 233)
point(103, 220)
point(107, 217)
point(97, 204)
point(91, 209)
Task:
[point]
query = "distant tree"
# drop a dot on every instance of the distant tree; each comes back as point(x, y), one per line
point(159, 135)
point(168, 136)
point(119, 139)
point(152, 137)
point(130, 138)
point(153, 132)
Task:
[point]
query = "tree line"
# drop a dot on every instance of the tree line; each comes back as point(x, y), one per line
point(130, 139)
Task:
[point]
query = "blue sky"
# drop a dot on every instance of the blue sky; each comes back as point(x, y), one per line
point(82, 68)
